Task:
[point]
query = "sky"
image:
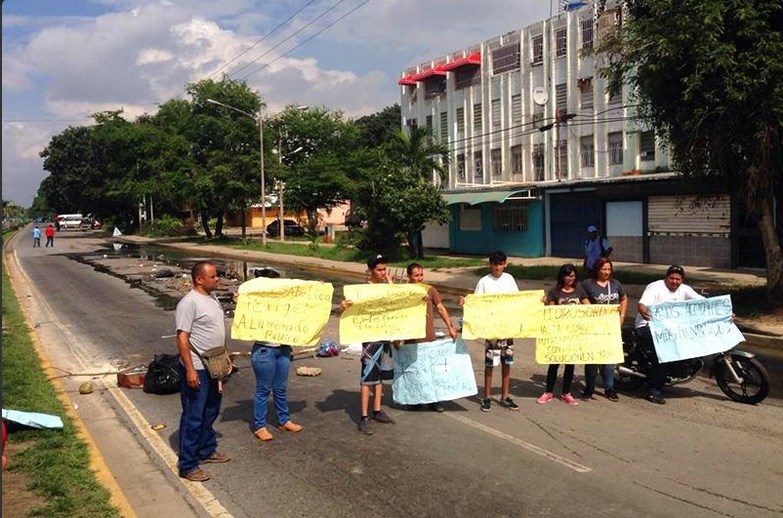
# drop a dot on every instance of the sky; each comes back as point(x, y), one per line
point(64, 60)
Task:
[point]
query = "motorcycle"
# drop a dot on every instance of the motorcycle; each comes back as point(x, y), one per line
point(738, 373)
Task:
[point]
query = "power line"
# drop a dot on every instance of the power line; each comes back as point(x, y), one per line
point(307, 39)
point(262, 38)
point(308, 24)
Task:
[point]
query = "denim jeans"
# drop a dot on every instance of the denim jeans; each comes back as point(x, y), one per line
point(591, 375)
point(200, 409)
point(270, 365)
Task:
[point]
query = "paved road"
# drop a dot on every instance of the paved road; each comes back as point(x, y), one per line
point(699, 455)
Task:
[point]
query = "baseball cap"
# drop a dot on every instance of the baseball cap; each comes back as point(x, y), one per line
point(592, 228)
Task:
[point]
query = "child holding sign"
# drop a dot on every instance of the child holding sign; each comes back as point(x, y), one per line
point(567, 291)
point(497, 351)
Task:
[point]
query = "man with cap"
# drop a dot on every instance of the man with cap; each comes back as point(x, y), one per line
point(595, 248)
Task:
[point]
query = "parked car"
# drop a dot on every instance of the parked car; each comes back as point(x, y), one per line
point(69, 221)
point(291, 228)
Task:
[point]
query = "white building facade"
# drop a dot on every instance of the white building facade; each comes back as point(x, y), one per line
point(540, 151)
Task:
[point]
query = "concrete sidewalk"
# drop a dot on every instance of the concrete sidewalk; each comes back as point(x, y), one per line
point(462, 281)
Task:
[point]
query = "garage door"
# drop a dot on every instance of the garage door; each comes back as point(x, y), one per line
point(569, 216)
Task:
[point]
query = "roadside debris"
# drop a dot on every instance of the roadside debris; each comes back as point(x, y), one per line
point(32, 419)
point(308, 371)
point(86, 388)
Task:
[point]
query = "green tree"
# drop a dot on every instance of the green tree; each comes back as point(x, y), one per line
point(708, 78)
point(69, 159)
point(376, 129)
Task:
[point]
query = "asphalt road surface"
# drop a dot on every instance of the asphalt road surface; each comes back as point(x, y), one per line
point(699, 455)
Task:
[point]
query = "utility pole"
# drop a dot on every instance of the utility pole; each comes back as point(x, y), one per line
point(561, 117)
point(280, 182)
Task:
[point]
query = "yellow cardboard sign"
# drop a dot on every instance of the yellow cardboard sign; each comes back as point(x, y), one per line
point(285, 311)
point(384, 312)
point(580, 334)
point(502, 315)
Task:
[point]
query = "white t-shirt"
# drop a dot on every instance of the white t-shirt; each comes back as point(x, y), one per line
point(656, 292)
point(503, 284)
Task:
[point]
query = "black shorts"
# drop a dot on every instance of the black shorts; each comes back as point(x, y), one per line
point(377, 364)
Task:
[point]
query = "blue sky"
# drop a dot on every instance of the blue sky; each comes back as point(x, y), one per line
point(63, 60)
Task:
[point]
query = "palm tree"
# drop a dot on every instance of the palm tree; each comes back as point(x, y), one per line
point(427, 159)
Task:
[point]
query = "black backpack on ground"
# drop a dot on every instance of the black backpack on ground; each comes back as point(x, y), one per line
point(163, 376)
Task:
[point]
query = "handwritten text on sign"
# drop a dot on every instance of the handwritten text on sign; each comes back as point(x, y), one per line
point(580, 334)
point(285, 311)
point(432, 371)
point(384, 312)
point(502, 315)
point(693, 328)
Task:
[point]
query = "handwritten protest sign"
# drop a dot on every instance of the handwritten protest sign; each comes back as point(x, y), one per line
point(286, 311)
point(502, 315)
point(432, 371)
point(693, 328)
point(580, 334)
point(384, 312)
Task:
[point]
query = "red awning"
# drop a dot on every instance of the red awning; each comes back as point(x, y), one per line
point(407, 80)
point(474, 59)
point(421, 76)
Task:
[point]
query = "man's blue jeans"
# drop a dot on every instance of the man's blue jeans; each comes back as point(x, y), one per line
point(200, 409)
point(271, 365)
point(591, 376)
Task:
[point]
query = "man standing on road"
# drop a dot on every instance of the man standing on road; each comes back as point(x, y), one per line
point(200, 326)
point(596, 247)
point(49, 235)
point(434, 301)
point(36, 237)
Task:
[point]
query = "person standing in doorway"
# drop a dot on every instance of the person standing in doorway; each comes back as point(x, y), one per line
point(36, 237)
point(200, 327)
point(596, 247)
point(49, 235)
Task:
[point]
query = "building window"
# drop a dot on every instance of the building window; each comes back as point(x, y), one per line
point(496, 158)
point(647, 146)
point(516, 159)
point(562, 161)
point(538, 116)
point(477, 117)
point(586, 97)
point(496, 113)
point(538, 162)
point(510, 217)
point(428, 122)
point(444, 126)
point(461, 168)
point(478, 167)
point(461, 121)
point(538, 49)
point(587, 151)
point(516, 109)
point(466, 77)
point(469, 217)
point(615, 99)
point(587, 33)
point(505, 59)
point(561, 99)
point(434, 86)
point(561, 45)
point(616, 148)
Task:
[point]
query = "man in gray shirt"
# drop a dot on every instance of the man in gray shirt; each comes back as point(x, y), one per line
point(200, 324)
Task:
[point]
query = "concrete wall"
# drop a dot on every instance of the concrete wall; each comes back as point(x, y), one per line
point(691, 250)
point(627, 248)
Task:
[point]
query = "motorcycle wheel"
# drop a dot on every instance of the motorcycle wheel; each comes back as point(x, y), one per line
point(627, 382)
point(755, 380)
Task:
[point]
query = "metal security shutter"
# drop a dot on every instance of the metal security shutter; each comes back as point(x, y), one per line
point(684, 216)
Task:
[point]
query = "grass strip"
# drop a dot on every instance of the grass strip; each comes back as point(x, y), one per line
point(56, 462)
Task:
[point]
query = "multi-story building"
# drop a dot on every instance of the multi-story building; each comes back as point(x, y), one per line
point(540, 150)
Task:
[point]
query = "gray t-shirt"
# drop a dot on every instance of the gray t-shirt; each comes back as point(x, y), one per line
point(202, 317)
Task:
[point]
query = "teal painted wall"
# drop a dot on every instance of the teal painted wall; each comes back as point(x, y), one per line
point(485, 241)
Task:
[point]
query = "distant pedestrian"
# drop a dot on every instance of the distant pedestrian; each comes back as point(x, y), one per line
point(36, 237)
point(200, 327)
point(596, 246)
point(434, 302)
point(49, 236)
point(567, 291)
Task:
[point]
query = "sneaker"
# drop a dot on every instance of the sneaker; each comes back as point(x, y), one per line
point(546, 397)
point(364, 426)
point(655, 398)
point(196, 475)
point(587, 396)
point(611, 395)
point(437, 407)
point(217, 458)
point(509, 404)
point(291, 426)
point(486, 405)
point(382, 417)
point(568, 398)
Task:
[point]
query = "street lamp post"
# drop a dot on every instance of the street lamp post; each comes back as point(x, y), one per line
point(260, 121)
point(280, 184)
